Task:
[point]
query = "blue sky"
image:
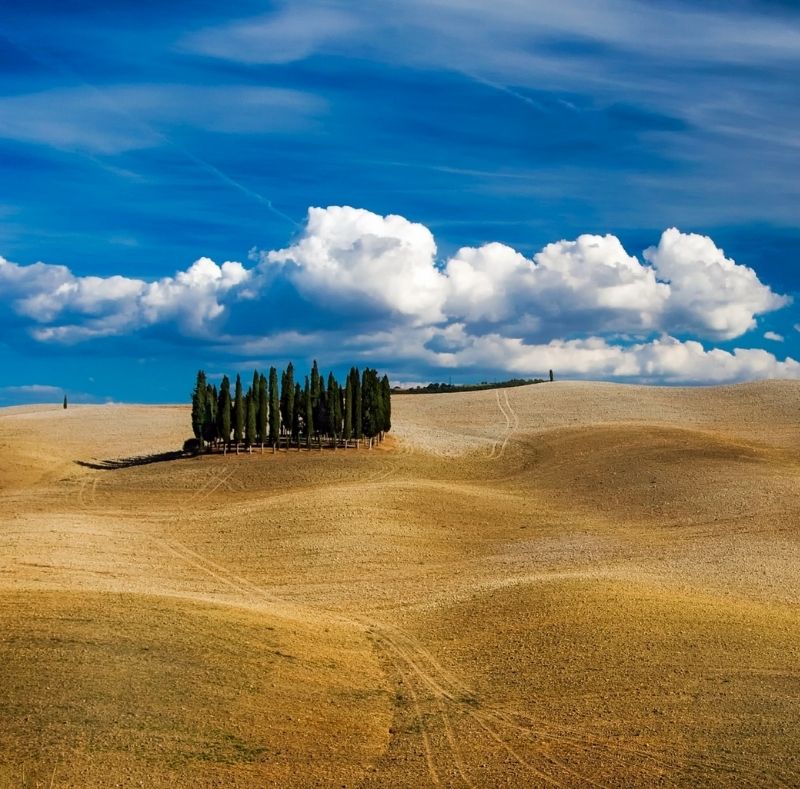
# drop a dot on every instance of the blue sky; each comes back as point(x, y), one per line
point(502, 175)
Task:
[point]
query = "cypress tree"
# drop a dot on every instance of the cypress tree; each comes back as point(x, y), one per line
point(358, 427)
point(338, 411)
point(315, 383)
point(296, 414)
point(224, 411)
point(379, 409)
point(65, 402)
point(321, 415)
point(210, 420)
point(370, 405)
point(334, 409)
point(238, 413)
point(263, 411)
point(250, 421)
point(309, 413)
point(386, 392)
point(199, 406)
point(274, 408)
point(348, 410)
point(287, 398)
point(254, 389)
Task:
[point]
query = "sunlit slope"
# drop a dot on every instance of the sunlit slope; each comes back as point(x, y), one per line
point(561, 584)
point(454, 423)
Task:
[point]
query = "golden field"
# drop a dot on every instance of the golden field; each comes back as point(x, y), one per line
point(568, 584)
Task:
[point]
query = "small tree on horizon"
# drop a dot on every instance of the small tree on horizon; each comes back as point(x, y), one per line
point(65, 402)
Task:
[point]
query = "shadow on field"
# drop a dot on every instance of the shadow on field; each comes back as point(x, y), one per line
point(139, 460)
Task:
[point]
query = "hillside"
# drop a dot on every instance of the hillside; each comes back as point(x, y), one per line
point(562, 584)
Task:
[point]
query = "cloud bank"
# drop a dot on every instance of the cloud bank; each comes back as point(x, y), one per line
point(370, 286)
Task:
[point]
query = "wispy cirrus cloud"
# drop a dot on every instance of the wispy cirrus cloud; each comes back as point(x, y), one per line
point(118, 118)
point(291, 33)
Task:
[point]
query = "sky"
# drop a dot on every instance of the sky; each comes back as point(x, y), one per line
point(445, 190)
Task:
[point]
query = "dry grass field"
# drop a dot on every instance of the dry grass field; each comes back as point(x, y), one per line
point(569, 584)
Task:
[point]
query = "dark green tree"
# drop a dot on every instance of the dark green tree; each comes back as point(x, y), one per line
point(371, 407)
point(358, 428)
point(224, 411)
point(263, 411)
point(250, 421)
point(321, 415)
point(386, 397)
point(199, 406)
point(210, 419)
point(297, 414)
point(334, 409)
point(347, 431)
point(379, 409)
point(274, 408)
point(316, 384)
point(309, 413)
point(254, 390)
point(238, 413)
point(287, 398)
point(65, 402)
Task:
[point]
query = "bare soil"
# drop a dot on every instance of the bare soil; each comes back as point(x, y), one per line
point(568, 584)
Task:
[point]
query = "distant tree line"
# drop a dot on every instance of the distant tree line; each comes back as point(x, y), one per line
point(442, 388)
point(288, 414)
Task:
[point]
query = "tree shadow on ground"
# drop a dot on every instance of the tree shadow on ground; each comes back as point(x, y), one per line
point(139, 460)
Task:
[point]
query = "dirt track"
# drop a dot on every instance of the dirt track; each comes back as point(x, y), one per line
point(557, 585)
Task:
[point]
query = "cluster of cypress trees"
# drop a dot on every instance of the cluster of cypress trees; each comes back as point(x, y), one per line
point(291, 414)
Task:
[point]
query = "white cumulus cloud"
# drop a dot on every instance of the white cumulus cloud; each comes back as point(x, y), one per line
point(585, 307)
point(115, 305)
point(709, 293)
point(356, 256)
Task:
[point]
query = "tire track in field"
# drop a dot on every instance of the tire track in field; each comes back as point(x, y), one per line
point(493, 454)
point(494, 721)
point(87, 492)
point(440, 688)
point(409, 653)
point(512, 415)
